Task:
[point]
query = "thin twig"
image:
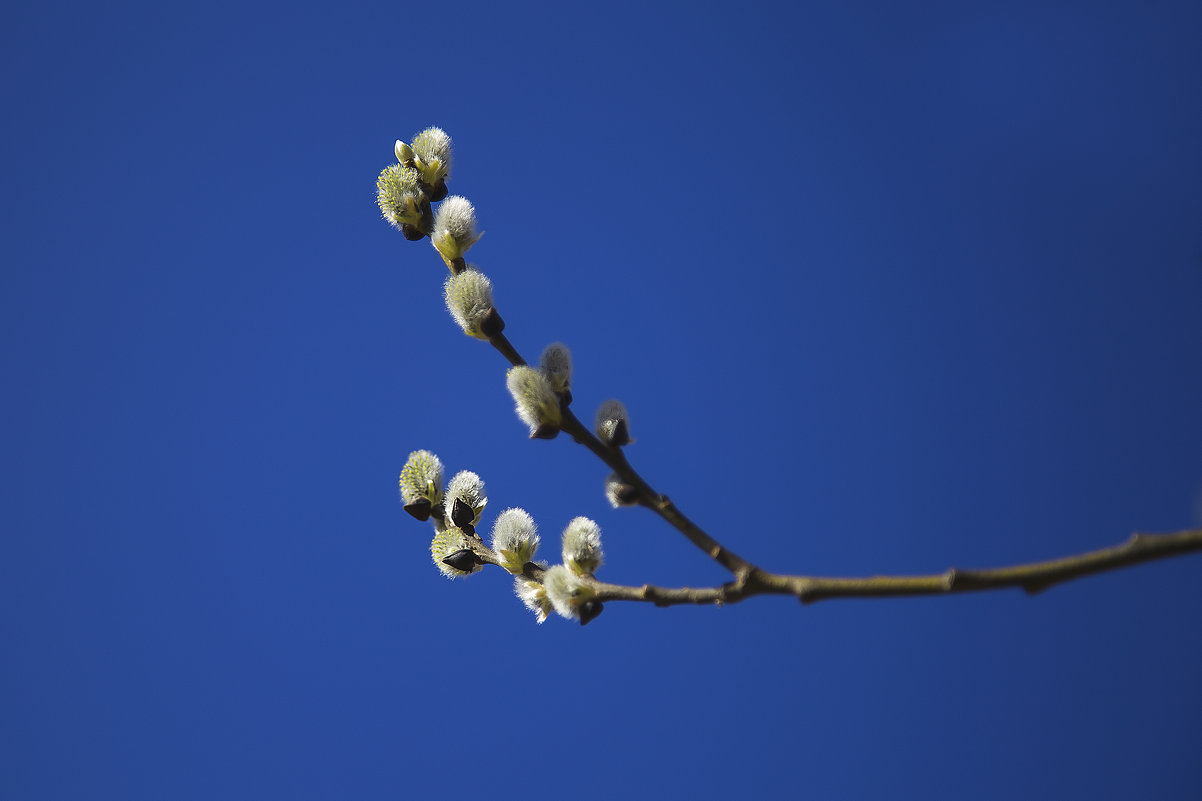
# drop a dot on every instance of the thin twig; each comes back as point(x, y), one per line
point(1034, 577)
point(501, 343)
point(660, 504)
point(616, 460)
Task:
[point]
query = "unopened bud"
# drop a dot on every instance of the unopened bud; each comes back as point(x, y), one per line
point(534, 596)
point(536, 403)
point(556, 365)
point(432, 155)
point(462, 560)
point(619, 493)
point(465, 500)
point(589, 610)
point(514, 539)
point(454, 229)
point(469, 300)
point(582, 546)
point(612, 425)
point(567, 591)
point(420, 509)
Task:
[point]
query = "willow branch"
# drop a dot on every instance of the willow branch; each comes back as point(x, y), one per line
point(611, 456)
point(1032, 577)
point(660, 504)
point(615, 459)
point(501, 343)
point(749, 580)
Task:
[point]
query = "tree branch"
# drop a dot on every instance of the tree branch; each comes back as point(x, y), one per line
point(1033, 577)
point(749, 580)
point(616, 460)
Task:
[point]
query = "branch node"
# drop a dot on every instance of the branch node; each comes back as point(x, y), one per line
point(1137, 540)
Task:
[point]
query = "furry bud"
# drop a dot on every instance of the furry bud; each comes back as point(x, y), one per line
point(421, 481)
point(454, 229)
point(465, 500)
point(399, 196)
point(619, 493)
point(582, 546)
point(612, 426)
point(534, 596)
point(432, 155)
point(469, 300)
point(515, 539)
point(536, 403)
point(556, 365)
point(567, 591)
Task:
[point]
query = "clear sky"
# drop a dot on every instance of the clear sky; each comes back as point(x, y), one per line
point(886, 287)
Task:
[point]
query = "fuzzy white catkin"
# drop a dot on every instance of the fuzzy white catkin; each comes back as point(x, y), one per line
point(432, 154)
point(515, 539)
point(469, 488)
point(533, 595)
point(454, 227)
point(614, 485)
point(421, 477)
point(556, 365)
point(609, 415)
point(582, 546)
point(535, 402)
point(566, 590)
point(469, 300)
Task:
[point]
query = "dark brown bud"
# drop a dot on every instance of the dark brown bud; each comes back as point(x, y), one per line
point(411, 232)
point(462, 560)
point(621, 434)
point(545, 431)
point(438, 191)
point(492, 324)
point(626, 493)
point(419, 509)
point(589, 611)
point(462, 515)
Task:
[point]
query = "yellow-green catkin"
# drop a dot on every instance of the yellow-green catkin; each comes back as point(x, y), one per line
point(399, 196)
point(421, 477)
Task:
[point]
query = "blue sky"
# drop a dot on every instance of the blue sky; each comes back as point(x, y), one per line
point(926, 275)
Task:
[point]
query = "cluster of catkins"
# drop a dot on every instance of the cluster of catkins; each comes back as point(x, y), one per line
point(406, 191)
point(456, 548)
